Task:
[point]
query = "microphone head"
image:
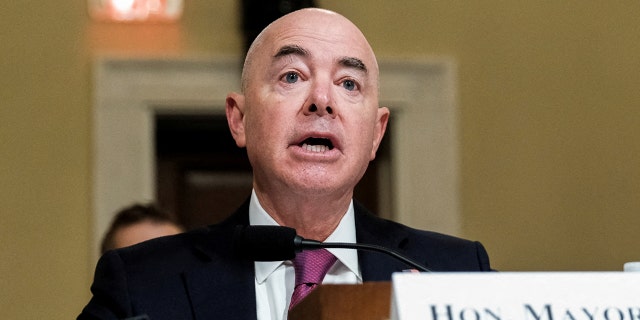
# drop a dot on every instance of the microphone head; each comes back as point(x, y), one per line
point(265, 243)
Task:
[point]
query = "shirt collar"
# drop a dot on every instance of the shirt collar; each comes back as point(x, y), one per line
point(345, 232)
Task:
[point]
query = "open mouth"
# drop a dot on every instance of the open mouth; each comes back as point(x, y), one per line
point(317, 144)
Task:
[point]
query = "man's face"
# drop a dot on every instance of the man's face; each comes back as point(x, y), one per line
point(311, 116)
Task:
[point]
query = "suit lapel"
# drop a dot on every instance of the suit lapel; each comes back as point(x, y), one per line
point(222, 290)
point(223, 287)
point(370, 229)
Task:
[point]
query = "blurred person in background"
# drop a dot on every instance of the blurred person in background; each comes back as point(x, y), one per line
point(138, 223)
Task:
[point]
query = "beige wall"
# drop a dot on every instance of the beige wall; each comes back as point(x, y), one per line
point(548, 99)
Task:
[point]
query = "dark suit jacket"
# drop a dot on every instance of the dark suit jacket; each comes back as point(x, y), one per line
point(196, 275)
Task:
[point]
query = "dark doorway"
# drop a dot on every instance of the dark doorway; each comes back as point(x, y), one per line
point(202, 176)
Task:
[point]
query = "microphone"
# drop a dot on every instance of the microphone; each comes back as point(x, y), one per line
point(265, 243)
point(275, 243)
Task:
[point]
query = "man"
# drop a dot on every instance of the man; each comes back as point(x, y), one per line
point(138, 223)
point(309, 118)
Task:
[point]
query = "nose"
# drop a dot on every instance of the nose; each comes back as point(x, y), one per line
point(313, 108)
point(320, 101)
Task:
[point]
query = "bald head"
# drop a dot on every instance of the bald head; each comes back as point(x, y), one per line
point(283, 36)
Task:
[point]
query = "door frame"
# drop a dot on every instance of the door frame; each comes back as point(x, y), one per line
point(128, 92)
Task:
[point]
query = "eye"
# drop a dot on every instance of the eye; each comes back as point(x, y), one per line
point(291, 77)
point(350, 85)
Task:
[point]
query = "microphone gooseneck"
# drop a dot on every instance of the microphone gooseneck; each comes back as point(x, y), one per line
point(274, 243)
point(305, 244)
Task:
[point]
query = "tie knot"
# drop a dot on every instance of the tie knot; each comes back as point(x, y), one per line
point(312, 265)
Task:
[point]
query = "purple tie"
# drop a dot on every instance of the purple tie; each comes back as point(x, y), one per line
point(311, 266)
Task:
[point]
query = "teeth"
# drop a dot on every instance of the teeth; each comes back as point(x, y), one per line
point(315, 148)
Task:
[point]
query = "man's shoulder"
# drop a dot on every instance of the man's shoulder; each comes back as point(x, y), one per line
point(441, 252)
point(370, 223)
point(203, 243)
point(395, 230)
point(176, 252)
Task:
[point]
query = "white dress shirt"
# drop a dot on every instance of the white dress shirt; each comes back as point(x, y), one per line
point(275, 279)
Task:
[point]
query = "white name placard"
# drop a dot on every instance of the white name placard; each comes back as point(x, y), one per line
point(516, 296)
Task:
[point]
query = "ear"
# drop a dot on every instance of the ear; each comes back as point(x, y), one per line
point(235, 117)
point(378, 131)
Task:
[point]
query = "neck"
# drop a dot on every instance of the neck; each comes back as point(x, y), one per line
point(313, 217)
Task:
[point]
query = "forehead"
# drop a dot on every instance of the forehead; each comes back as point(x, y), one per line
point(328, 35)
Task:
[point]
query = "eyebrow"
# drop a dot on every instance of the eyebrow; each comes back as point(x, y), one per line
point(349, 62)
point(291, 50)
point(354, 63)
